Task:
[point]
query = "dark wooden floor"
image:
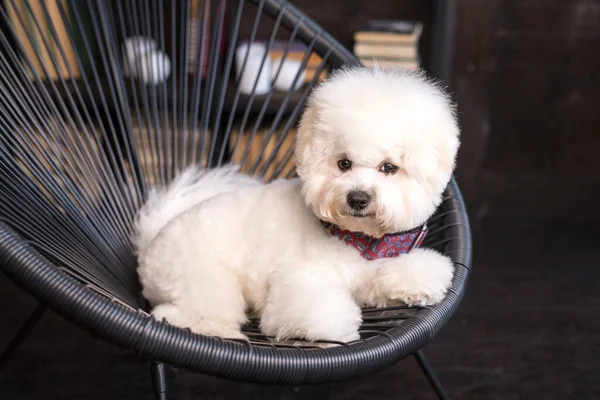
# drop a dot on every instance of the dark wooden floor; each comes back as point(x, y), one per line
point(527, 329)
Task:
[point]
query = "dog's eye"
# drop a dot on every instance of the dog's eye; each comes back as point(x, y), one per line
point(388, 169)
point(344, 164)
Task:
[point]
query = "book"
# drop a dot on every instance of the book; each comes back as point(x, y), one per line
point(393, 43)
point(265, 154)
point(385, 50)
point(199, 29)
point(297, 51)
point(42, 33)
point(390, 31)
point(20, 19)
point(80, 22)
point(64, 44)
point(411, 65)
point(311, 72)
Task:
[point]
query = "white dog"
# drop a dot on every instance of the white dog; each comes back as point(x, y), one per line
point(375, 150)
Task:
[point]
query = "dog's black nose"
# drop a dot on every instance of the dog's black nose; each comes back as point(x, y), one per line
point(358, 200)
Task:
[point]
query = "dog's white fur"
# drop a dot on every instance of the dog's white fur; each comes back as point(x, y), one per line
point(216, 244)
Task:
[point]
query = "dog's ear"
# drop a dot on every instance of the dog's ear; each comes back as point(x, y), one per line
point(432, 158)
point(447, 148)
point(305, 136)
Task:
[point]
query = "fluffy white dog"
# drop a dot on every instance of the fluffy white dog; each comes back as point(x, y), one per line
point(375, 150)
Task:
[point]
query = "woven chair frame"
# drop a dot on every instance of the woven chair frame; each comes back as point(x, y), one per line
point(387, 335)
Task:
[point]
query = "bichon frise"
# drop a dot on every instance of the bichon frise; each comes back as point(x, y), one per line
point(375, 150)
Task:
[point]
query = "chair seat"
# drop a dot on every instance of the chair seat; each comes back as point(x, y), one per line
point(387, 335)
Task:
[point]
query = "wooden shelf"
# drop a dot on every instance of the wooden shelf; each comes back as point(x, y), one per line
point(166, 94)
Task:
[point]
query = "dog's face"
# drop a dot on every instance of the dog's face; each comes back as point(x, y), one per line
point(375, 150)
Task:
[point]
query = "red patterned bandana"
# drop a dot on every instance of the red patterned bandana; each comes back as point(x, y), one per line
point(390, 245)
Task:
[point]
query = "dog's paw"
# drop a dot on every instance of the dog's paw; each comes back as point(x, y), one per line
point(314, 334)
point(201, 325)
point(306, 308)
point(312, 326)
point(413, 298)
point(420, 278)
point(171, 314)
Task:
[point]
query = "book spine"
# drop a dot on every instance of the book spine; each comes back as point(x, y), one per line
point(19, 19)
point(41, 32)
point(412, 65)
point(79, 34)
point(64, 50)
point(383, 37)
point(389, 51)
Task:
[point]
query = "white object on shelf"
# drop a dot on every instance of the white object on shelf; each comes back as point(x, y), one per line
point(143, 60)
point(289, 71)
point(154, 67)
point(136, 45)
point(253, 73)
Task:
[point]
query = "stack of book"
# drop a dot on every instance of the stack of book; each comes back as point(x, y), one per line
point(198, 31)
point(389, 43)
point(275, 155)
point(43, 35)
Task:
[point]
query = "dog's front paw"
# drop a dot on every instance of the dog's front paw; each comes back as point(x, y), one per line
point(306, 308)
point(413, 298)
point(420, 278)
point(314, 326)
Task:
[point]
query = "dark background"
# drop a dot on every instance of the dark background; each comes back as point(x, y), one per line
point(525, 76)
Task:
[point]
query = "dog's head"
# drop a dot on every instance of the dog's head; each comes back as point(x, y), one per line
point(375, 149)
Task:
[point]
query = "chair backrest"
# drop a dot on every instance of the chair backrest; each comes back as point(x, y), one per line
point(102, 100)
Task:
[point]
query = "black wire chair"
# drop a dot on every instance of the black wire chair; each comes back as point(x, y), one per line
point(85, 131)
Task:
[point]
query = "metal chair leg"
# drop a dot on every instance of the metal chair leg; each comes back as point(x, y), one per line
point(159, 380)
point(22, 334)
point(431, 376)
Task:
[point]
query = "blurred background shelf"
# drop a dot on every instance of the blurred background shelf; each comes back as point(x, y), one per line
point(167, 94)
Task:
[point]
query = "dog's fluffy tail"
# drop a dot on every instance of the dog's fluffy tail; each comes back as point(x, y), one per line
point(193, 186)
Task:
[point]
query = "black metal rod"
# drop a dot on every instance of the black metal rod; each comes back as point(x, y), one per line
point(435, 383)
point(23, 333)
point(159, 380)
